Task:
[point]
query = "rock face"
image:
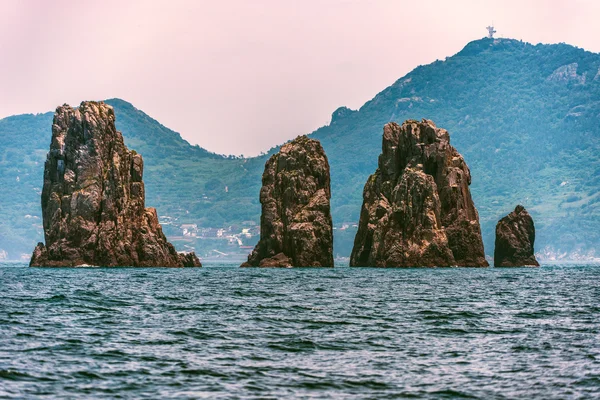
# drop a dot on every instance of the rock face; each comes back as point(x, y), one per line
point(295, 225)
point(567, 73)
point(93, 199)
point(417, 209)
point(515, 236)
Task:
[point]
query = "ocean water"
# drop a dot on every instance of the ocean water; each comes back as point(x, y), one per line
point(224, 332)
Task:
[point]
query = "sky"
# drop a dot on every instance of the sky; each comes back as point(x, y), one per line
point(241, 76)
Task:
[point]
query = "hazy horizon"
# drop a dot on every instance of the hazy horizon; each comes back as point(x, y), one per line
point(238, 77)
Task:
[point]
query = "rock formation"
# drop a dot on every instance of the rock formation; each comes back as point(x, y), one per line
point(93, 199)
point(567, 73)
point(417, 208)
point(515, 235)
point(189, 260)
point(295, 225)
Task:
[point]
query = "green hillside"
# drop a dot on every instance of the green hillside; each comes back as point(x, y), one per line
point(526, 118)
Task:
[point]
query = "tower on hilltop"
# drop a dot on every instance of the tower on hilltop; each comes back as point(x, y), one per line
point(491, 31)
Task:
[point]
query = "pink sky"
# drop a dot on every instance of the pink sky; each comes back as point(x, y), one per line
point(240, 76)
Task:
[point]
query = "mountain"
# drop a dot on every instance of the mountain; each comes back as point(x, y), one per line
point(525, 117)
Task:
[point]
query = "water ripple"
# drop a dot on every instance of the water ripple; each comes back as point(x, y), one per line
point(321, 333)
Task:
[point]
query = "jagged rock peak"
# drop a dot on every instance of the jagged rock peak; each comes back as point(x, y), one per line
point(515, 237)
point(93, 198)
point(417, 208)
point(341, 113)
point(295, 225)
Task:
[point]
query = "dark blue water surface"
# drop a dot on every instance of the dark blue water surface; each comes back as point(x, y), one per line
point(226, 332)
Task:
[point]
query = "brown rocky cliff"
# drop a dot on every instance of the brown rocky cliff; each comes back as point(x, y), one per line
point(93, 199)
point(417, 207)
point(515, 237)
point(295, 227)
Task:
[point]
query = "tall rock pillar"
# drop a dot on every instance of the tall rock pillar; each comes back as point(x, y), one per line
point(93, 198)
point(295, 225)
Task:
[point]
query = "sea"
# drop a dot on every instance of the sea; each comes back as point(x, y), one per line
point(221, 332)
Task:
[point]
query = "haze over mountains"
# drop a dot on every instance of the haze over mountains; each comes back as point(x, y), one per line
point(524, 117)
